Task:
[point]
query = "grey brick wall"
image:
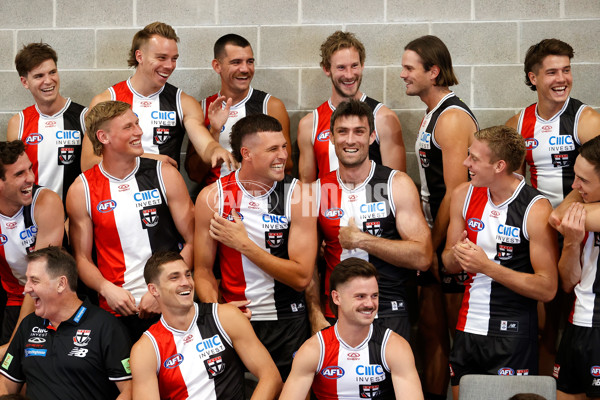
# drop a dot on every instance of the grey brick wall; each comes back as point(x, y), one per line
point(487, 39)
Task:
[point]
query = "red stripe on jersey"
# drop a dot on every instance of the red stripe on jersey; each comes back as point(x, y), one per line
point(321, 139)
point(233, 284)
point(122, 92)
point(527, 131)
point(329, 223)
point(31, 124)
point(171, 382)
point(322, 386)
point(477, 202)
point(14, 291)
point(111, 260)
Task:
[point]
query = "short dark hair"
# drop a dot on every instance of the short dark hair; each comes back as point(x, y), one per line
point(58, 263)
point(352, 107)
point(527, 396)
point(339, 40)
point(535, 56)
point(153, 267)
point(433, 51)
point(505, 143)
point(230, 38)
point(251, 125)
point(350, 268)
point(9, 154)
point(590, 150)
point(141, 38)
point(32, 55)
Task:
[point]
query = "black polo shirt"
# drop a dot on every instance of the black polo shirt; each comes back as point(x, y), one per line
point(80, 360)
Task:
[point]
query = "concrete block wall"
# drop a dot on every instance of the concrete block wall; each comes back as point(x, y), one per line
point(487, 39)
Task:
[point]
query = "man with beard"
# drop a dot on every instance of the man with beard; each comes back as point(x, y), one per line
point(370, 211)
point(355, 359)
point(342, 60)
point(234, 62)
point(166, 113)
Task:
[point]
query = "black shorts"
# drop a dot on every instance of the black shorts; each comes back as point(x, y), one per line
point(136, 326)
point(451, 283)
point(9, 321)
point(282, 339)
point(492, 355)
point(577, 366)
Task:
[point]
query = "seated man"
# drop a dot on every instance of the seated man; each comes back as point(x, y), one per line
point(499, 234)
point(354, 359)
point(194, 351)
point(68, 349)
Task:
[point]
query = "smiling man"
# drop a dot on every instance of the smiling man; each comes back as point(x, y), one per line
point(262, 225)
point(343, 61)
point(355, 359)
point(53, 127)
point(126, 208)
point(68, 349)
point(194, 351)
point(30, 217)
point(166, 113)
point(499, 234)
point(370, 211)
point(234, 63)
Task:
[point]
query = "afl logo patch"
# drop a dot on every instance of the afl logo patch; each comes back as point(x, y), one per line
point(173, 361)
point(323, 136)
point(333, 372)
point(334, 213)
point(106, 206)
point(475, 224)
point(3, 239)
point(531, 143)
point(34, 138)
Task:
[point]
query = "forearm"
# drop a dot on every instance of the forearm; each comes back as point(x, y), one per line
point(440, 225)
point(402, 253)
point(90, 275)
point(206, 285)
point(451, 264)
point(569, 266)
point(535, 286)
point(313, 304)
point(268, 387)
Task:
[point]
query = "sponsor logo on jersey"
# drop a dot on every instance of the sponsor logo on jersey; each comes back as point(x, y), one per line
point(37, 331)
point(3, 239)
point(556, 371)
point(173, 361)
point(275, 219)
point(126, 366)
point(79, 314)
point(145, 103)
point(352, 198)
point(332, 372)
point(323, 136)
point(82, 337)
point(504, 252)
point(29, 352)
point(166, 118)
point(188, 338)
point(28, 233)
point(522, 372)
point(161, 136)
point(149, 217)
point(546, 128)
point(7, 360)
point(424, 140)
point(373, 228)
point(274, 239)
point(36, 339)
point(210, 346)
point(333, 213)
point(370, 370)
point(68, 138)
point(50, 124)
point(147, 198)
point(353, 356)
point(368, 391)
point(423, 158)
point(106, 206)
point(34, 139)
point(506, 371)
point(475, 224)
point(123, 187)
point(531, 143)
point(78, 352)
point(560, 160)
point(561, 143)
point(494, 214)
point(231, 218)
point(595, 371)
point(253, 205)
point(373, 210)
point(508, 234)
point(215, 366)
point(10, 225)
point(233, 114)
point(66, 155)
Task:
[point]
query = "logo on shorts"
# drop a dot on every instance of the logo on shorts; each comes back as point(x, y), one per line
point(509, 326)
point(522, 372)
point(332, 372)
point(161, 135)
point(595, 371)
point(149, 217)
point(451, 370)
point(373, 228)
point(66, 155)
point(506, 371)
point(368, 391)
point(215, 366)
point(34, 139)
point(173, 361)
point(82, 337)
point(556, 371)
